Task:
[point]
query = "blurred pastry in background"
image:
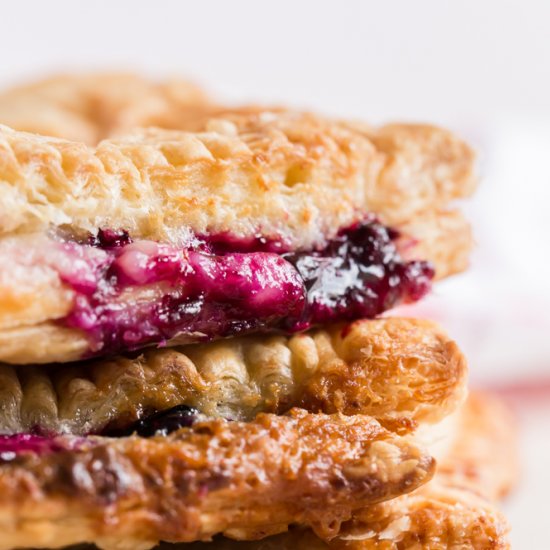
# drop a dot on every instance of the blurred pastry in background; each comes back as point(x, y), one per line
point(90, 107)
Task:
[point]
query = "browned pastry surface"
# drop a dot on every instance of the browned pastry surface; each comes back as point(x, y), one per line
point(90, 107)
point(247, 478)
point(448, 512)
point(417, 153)
point(438, 516)
point(399, 371)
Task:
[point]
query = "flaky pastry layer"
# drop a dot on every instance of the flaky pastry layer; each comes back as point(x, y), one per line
point(215, 477)
point(289, 176)
point(438, 516)
point(399, 371)
point(485, 459)
point(91, 107)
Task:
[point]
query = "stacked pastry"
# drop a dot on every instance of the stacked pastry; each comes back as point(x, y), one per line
point(192, 344)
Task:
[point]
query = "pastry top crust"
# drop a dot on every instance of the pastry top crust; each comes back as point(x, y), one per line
point(89, 107)
point(213, 477)
point(399, 371)
point(289, 176)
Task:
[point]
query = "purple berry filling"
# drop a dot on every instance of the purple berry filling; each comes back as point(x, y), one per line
point(131, 294)
point(359, 274)
point(107, 238)
point(159, 423)
point(12, 445)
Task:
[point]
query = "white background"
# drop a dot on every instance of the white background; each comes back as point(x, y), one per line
point(480, 67)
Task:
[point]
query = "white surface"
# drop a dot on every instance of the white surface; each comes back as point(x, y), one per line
point(527, 509)
point(499, 310)
point(482, 67)
point(437, 60)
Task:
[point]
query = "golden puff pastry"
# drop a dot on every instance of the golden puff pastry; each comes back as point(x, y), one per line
point(92, 106)
point(485, 459)
point(412, 153)
point(291, 176)
point(216, 476)
point(400, 371)
point(454, 510)
point(443, 237)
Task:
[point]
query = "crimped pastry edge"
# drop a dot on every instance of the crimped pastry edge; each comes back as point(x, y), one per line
point(400, 371)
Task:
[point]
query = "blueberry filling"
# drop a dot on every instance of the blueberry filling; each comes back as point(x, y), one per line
point(159, 423)
point(357, 275)
point(135, 293)
point(109, 238)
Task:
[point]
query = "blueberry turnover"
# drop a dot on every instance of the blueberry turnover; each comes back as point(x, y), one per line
point(262, 223)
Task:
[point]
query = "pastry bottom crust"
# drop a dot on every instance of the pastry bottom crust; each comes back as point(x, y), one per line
point(454, 510)
point(436, 517)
